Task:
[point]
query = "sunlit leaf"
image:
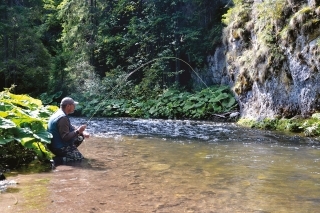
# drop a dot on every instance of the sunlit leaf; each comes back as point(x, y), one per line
point(43, 136)
point(41, 150)
point(3, 114)
point(27, 142)
point(25, 101)
point(6, 124)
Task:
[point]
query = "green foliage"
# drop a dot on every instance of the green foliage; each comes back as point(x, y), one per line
point(50, 98)
point(24, 57)
point(237, 13)
point(23, 133)
point(305, 21)
point(135, 32)
point(69, 45)
point(172, 103)
point(176, 104)
point(306, 127)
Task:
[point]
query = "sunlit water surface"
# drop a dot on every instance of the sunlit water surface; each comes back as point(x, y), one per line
point(189, 166)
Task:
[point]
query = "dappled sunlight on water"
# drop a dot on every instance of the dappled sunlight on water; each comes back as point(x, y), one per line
point(202, 167)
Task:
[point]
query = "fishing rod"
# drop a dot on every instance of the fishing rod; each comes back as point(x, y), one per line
point(128, 75)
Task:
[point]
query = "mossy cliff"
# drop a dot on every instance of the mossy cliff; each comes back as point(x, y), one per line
point(272, 55)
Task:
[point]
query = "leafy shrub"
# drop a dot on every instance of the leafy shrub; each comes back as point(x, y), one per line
point(172, 103)
point(23, 134)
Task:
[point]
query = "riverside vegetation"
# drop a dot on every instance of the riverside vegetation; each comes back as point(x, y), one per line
point(23, 119)
point(23, 134)
point(309, 127)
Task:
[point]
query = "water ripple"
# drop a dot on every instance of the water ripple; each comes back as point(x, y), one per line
point(187, 129)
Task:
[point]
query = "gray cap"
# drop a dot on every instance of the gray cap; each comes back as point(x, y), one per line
point(67, 100)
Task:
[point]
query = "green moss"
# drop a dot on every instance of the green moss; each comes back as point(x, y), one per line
point(306, 127)
point(237, 14)
point(247, 123)
point(303, 14)
point(306, 20)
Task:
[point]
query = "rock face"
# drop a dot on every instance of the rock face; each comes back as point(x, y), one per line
point(217, 71)
point(271, 58)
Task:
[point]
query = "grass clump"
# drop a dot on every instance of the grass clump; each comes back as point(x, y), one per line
point(309, 127)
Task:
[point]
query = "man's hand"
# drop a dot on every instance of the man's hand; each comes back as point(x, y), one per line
point(81, 129)
point(86, 135)
point(82, 132)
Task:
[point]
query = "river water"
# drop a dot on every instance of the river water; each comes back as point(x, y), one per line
point(137, 165)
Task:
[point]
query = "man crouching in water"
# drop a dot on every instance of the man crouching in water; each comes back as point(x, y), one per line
point(65, 136)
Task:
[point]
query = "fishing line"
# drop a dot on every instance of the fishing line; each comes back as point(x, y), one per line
point(128, 75)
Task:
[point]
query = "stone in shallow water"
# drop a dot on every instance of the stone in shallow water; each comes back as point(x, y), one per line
point(160, 167)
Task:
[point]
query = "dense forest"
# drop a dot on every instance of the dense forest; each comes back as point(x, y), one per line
point(53, 48)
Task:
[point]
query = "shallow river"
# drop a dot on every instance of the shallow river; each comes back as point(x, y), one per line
point(135, 165)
